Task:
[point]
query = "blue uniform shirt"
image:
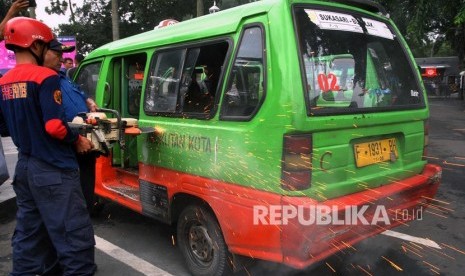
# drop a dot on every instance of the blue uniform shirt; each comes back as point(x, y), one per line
point(74, 99)
point(31, 104)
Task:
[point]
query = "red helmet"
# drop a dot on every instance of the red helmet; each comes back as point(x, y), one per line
point(23, 31)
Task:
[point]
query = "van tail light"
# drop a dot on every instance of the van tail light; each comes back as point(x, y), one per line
point(296, 163)
point(426, 134)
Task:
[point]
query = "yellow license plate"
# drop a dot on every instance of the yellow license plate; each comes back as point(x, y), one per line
point(375, 152)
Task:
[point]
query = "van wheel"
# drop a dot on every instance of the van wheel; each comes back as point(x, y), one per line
point(201, 242)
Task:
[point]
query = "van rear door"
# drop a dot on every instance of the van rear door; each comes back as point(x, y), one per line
point(366, 110)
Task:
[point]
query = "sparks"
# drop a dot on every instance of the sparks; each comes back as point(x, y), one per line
point(437, 207)
point(398, 268)
point(330, 267)
point(431, 157)
point(429, 198)
point(348, 245)
point(434, 267)
point(453, 164)
point(453, 248)
point(361, 268)
point(407, 249)
point(435, 214)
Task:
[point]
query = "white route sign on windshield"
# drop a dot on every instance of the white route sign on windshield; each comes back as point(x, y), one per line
point(344, 22)
point(378, 28)
point(334, 21)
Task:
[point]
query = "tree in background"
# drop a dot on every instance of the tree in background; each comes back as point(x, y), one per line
point(91, 23)
point(3, 9)
point(431, 27)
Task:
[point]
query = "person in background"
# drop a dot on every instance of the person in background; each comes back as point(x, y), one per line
point(15, 8)
point(75, 101)
point(77, 61)
point(67, 64)
point(53, 233)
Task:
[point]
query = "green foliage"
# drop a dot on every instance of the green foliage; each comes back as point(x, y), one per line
point(92, 26)
point(57, 7)
point(91, 23)
point(460, 17)
point(431, 27)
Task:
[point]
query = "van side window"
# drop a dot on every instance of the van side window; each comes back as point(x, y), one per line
point(163, 81)
point(184, 82)
point(135, 75)
point(245, 89)
point(87, 78)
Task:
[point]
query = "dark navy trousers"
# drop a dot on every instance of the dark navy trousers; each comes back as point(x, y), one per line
point(53, 234)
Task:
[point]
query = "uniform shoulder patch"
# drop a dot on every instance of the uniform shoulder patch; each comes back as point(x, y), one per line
point(57, 97)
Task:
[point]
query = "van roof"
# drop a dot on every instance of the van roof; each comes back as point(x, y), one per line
point(226, 21)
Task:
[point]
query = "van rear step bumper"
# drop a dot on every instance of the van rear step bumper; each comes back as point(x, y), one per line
point(383, 208)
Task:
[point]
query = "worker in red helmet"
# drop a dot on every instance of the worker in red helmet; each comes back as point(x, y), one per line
point(53, 234)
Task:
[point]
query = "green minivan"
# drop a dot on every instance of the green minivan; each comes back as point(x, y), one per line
point(281, 130)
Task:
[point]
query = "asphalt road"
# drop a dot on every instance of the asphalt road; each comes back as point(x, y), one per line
point(130, 244)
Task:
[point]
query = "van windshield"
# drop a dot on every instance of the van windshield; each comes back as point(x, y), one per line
point(353, 63)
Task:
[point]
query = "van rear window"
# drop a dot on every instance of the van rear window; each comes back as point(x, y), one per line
point(352, 63)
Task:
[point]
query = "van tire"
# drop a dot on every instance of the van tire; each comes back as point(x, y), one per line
point(201, 242)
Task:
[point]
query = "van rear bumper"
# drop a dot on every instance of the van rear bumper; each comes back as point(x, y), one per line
point(305, 242)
